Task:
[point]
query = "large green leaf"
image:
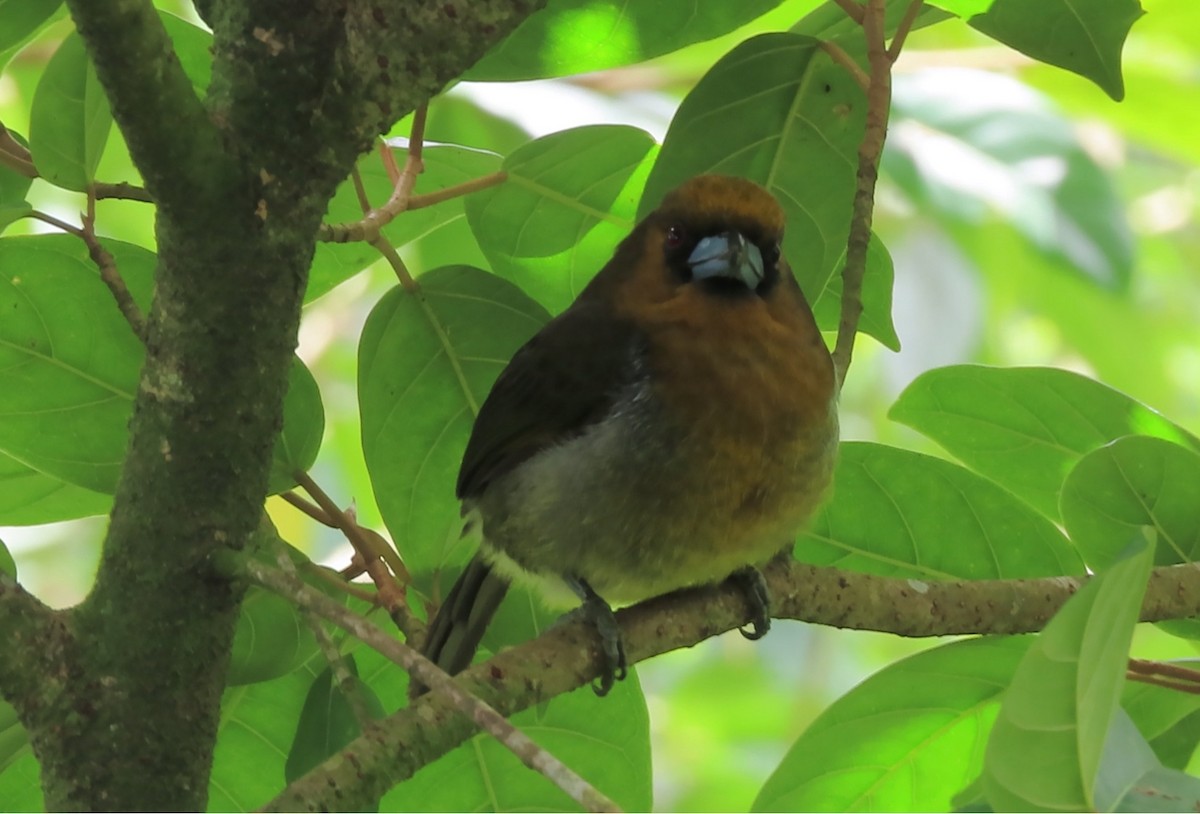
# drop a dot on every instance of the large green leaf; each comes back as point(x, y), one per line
point(606, 740)
point(68, 360)
point(1025, 427)
point(569, 199)
point(1134, 482)
point(1084, 36)
point(30, 498)
point(69, 120)
point(899, 513)
point(426, 363)
point(69, 366)
point(973, 145)
point(258, 722)
point(327, 720)
point(574, 36)
point(906, 739)
point(1048, 741)
point(779, 111)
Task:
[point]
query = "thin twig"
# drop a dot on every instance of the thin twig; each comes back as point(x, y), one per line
point(347, 682)
point(847, 62)
point(14, 155)
point(906, 24)
point(1165, 674)
point(376, 555)
point(879, 97)
point(53, 221)
point(122, 191)
point(853, 10)
point(311, 509)
point(429, 674)
point(109, 273)
point(335, 579)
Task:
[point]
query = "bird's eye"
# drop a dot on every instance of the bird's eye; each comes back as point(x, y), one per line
point(774, 252)
point(675, 237)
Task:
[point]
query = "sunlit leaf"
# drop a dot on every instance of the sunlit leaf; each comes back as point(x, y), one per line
point(905, 739)
point(193, 46)
point(1025, 427)
point(426, 363)
point(899, 513)
point(1084, 36)
point(69, 120)
point(1133, 482)
point(1048, 741)
point(569, 199)
point(574, 36)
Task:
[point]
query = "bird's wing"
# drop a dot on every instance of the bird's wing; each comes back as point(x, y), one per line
point(562, 381)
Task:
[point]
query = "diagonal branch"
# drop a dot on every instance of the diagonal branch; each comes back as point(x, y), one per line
point(568, 655)
point(476, 711)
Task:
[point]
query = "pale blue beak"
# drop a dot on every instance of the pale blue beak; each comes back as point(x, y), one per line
point(729, 255)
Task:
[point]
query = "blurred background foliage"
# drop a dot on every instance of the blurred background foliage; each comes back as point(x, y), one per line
point(1032, 220)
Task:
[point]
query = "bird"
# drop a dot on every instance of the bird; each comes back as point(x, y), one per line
point(675, 426)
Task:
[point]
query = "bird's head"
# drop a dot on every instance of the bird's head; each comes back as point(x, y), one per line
point(721, 232)
point(716, 237)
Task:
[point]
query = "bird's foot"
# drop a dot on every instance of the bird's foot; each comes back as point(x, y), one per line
point(754, 587)
point(600, 615)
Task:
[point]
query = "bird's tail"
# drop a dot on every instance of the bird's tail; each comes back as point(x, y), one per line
point(456, 630)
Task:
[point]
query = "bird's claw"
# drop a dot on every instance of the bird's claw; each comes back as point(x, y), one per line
point(754, 587)
point(600, 615)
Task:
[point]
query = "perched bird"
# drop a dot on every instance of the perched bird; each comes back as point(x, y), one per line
point(677, 425)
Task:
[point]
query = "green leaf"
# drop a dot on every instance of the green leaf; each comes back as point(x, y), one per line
point(1133, 482)
point(14, 741)
point(1046, 747)
point(20, 20)
point(975, 145)
point(303, 426)
point(1024, 427)
point(31, 498)
point(569, 200)
point(899, 513)
point(606, 740)
point(327, 722)
point(69, 362)
point(876, 319)
point(258, 722)
point(20, 784)
point(829, 21)
point(426, 363)
point(271, 639)
point(778, 111)
point(193, 46)
point(69, 120)
point(575, 36)
point(906, 739)
point(1083, 36)
point(1166, 718)
point(1132, 779)
point(445, 167)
